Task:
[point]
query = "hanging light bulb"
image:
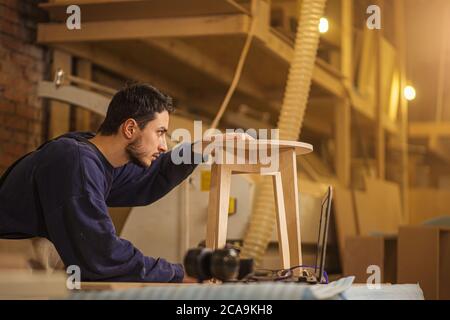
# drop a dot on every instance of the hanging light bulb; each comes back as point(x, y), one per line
point(410, 93)
point(323, 25)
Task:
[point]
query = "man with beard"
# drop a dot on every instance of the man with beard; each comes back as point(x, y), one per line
point(62, 190)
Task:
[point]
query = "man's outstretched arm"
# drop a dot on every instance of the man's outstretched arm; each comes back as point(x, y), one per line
point(137, 186)
point(84, 235)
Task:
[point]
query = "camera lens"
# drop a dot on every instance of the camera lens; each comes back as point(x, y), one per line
point(225, 264)
point(197, 263)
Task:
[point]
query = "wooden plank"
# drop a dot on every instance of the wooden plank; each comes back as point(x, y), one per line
point(299, 148)
point(129, 68)
point(428, 203)
point(59, 112)
point(389, 88)
point(367, 221)
point(379, 207)
point(285, 51)
point(184, 218)
point(122, 66)
point(139, 9)
point(362, 252)
point(343, 142)
point(400, 41)
point(345, 216)
point(282, 228)
point(444, 275)
point(145, 28)
point(288, 172)
point(65, 3)
point(219, 195)
point(73, 95)
point(428, 129)
point(321, 76)
point(380, 149)
point(394, 96)
point(441, 88)
point(83, 117)
point(246, 168)
point(199, 60)
point(118, 286)
point(36, 285)
point(418, 258)
point(347, 41)
point(392, 207)
point(13, 261)
point(260, 9)
point(365, 77)
point(23, 247)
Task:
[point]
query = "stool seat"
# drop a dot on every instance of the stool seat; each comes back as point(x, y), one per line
point(300, 148)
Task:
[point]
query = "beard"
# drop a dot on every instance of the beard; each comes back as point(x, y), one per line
point(134, 155)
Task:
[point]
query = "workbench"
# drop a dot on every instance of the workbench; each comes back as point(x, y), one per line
point(342, 289)
point(17, 285)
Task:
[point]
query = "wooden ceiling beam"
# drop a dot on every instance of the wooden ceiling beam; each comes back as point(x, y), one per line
point(428, 129)
point(122, 66)
point(193, 57)
point(130, 70)
point(145, 28)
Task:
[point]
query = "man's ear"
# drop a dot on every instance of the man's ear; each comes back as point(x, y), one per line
point(129, 128)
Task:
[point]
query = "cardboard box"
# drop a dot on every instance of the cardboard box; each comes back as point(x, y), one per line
point(424, 258)
point(363, 251)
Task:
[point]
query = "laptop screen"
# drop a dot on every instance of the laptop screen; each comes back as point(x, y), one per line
point(323, 234)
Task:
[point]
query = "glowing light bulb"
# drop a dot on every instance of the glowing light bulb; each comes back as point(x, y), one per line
point(323, 25)
point(409, 93)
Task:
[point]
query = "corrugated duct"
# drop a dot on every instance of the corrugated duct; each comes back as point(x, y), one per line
point(263, 219)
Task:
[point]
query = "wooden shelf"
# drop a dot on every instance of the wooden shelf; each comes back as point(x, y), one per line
point(107, 10)
point(188, 47)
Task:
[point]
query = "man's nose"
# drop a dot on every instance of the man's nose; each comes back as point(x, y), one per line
point(162, 145)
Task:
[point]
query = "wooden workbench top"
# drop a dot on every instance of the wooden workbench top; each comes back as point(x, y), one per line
point(116, 286)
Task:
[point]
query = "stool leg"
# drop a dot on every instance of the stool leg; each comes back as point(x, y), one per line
point(283, 242)
point(288, 171)
point(219, 197)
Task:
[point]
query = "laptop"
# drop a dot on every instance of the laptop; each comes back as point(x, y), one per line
point(318, 274)
point(319, 267)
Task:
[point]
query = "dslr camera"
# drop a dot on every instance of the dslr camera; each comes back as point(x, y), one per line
point(222, 264)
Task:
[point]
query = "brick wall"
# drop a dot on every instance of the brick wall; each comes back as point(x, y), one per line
point(22, 65)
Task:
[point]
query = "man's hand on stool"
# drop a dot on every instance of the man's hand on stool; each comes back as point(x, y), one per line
point(229, 136)
point(226, 137)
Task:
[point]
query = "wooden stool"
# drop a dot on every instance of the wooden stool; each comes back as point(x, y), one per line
point(286, 194)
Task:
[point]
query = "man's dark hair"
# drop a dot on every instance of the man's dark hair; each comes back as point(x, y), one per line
point(138, 101)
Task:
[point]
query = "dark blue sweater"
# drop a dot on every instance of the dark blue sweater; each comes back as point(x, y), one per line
point(61, 192)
